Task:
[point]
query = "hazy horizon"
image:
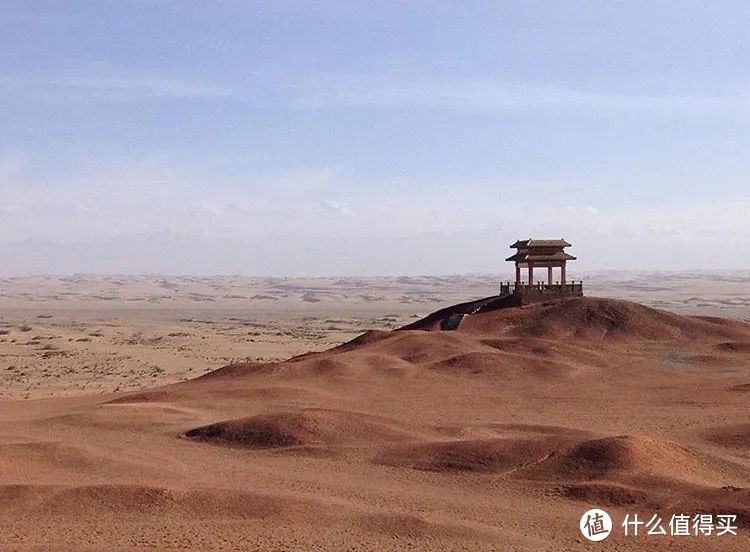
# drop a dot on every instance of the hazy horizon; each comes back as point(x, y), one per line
point(351, 138)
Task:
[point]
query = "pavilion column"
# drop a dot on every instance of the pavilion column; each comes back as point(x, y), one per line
point(549, 275)
point(562, 273)
point(518, 274)
point(531, 274)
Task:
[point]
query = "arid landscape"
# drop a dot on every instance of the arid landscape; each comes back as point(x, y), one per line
point(168, 413)
point(87, 334)
point(374, 276)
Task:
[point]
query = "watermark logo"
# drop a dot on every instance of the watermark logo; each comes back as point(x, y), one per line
point(596, 525)
point(682, 525)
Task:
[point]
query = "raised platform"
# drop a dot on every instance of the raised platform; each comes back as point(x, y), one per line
point(532, 293)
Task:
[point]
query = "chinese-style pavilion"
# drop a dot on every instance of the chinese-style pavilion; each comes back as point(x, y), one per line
point(530, 254)
point(540, 254)
point(549, 254)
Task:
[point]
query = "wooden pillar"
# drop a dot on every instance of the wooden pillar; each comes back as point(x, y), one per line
point(531, 274)
point(562, 273)
point(549, 275)
point(518, 274)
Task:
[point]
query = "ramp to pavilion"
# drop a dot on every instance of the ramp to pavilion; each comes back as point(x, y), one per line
point(450, 318)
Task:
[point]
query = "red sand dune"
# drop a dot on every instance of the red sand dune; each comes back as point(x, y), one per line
point(735, 435)
point(493, 436)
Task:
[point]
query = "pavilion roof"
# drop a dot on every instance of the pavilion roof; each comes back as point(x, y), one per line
point(542, 258)
point(523, 244)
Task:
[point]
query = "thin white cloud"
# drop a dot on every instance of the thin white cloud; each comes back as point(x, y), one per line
point(11, 209)
point(143, 87)
point(101, 82)
point(208, 209)
point(104, 82)
point(490, 95)
point(171, 195)
point(11, 164)
point(340, 208)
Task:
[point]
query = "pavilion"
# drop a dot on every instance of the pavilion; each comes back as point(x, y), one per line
point(544, 253)
point(530, 254)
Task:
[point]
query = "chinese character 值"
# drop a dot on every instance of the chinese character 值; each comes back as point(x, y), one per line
point(679, 525)
point(595, 524)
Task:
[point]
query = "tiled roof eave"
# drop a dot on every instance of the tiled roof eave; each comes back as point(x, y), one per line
point(522, 244)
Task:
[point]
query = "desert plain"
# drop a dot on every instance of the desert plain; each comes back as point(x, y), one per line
point(234, 413)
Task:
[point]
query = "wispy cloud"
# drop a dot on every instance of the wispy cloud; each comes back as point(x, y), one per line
point(102, 82)
point(11, 163)
point(170, 193)
point(403, 91)
point(143, 87)
point(340, 208)
point(394, 90)
point(11, 208)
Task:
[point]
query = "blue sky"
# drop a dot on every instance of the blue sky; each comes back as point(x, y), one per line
point(388, 137)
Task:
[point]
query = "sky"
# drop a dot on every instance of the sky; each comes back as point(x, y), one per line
point(347, 137)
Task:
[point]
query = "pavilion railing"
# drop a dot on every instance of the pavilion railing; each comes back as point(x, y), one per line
point(568, 288)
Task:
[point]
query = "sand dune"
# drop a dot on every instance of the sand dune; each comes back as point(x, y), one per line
point(496, 435)
point(478, 456)
point(734, 347)
point(628, 457)
point(736, 435)
point(308, 427)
